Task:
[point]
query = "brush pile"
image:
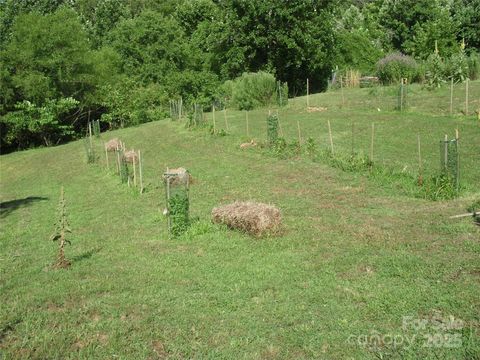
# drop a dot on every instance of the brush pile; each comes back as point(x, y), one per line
point(256, 219)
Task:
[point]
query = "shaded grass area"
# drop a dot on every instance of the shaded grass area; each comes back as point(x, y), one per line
point(354, 259)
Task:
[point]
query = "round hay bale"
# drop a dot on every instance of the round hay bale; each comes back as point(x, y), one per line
point(130, 156)
point(178, 176)
point(113, 144)
point(251, 217)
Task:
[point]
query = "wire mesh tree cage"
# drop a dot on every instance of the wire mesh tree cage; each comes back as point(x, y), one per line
point(91, 157)
point(195, 118)
point(272, 128)
point(450, 160)
point(176, 109)
point(96, 128)
point(282, 93)
point(402, 95)
point(177, 196)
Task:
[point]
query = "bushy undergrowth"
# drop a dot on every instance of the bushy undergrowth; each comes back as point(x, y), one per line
point(438, 187)
point(475, 206)
point(435, 71)
point(435, 187)
point(474, 65)
point(458, 67)
point(252, 90)
point(283, 149)
point(395, 66)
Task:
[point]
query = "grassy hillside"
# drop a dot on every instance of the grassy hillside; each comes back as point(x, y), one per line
point(395, 142)
point(354, 260)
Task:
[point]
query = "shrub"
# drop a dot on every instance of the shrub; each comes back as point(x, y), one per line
point(395, 66)
point(457, 67)
point(435, 71)
point(474, 66)
point(252, 90)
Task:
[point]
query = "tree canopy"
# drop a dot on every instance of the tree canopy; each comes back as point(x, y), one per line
point(63, 61)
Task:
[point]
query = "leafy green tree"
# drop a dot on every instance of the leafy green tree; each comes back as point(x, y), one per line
point(47, 70)
point(151, 46)
point(47, 57)
point(466, 14)
point(294, 40)
point(10, 9)
point(415, 25)
point(31, 124)
point(356, 47)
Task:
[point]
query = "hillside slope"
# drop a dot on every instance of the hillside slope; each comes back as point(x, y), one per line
point(353, 259)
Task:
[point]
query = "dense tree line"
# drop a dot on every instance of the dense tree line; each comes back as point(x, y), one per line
point(65, 61)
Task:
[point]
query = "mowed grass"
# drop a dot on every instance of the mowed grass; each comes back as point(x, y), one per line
point(353, 260)
point(395, 135)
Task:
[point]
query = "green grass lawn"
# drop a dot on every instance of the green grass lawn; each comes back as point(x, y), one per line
point(354, 260)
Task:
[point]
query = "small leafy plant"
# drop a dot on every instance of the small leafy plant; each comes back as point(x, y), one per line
point(178, 211)
point(310, 147)
point(439, 187)
point(272, 129)
point(61, 229)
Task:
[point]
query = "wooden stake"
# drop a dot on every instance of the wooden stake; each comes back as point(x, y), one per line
point(118, 160)
point(372, 142)
point(134, 169)
point(466, 97)
point(213, 115)
point(90, 133)
point(420, 165)
point(445, 146)
point(353, 137)
point(464, 215)
point(457, 137)
point(169, 221)
point(330, 135)
point(401, 95)
point(308, 90)
point(106, 155)
point(299, 133)
point(341, 89)
point(280, 127)
point(225, 116)
point(140, 171)
point(451, 96)
point(246, 120)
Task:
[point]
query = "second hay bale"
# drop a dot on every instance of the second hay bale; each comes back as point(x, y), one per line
point(130, 156)
point(253, 218)
point(113, 144)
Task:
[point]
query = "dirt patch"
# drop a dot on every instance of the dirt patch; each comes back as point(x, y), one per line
point(312, 109)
